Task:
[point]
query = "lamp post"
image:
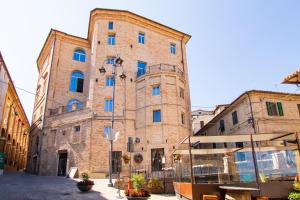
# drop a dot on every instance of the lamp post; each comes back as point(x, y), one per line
point(112, 135)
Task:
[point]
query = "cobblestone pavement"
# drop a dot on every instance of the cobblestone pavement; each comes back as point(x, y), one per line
point(20, 186)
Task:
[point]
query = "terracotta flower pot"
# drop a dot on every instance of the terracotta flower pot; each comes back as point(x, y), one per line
point(137, 198)
point(84, 188)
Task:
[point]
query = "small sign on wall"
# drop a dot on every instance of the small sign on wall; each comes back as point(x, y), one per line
point(73, 172)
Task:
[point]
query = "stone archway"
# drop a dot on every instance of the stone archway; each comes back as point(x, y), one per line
point(2, 140)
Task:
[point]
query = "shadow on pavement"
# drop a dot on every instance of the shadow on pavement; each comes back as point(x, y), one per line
point(21, 186)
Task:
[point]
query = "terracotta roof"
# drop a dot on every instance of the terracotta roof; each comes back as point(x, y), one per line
point(293, 78)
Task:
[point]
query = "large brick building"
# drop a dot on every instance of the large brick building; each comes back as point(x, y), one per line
point(73, 106)
point(13, 123)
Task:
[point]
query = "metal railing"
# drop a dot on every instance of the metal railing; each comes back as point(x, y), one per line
point(153, 69)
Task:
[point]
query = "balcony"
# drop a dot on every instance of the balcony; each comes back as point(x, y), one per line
point(154, 69)
point(67, 109)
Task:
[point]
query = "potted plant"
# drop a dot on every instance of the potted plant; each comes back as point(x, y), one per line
point(295, 195)
point(86, 184)
point(138, 192)
point(155, 186)
point(126, 159)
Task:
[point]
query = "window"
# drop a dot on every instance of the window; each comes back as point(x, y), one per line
point(141, 68)
point(235, 119)
point(239, 144)
point(110, 25)
point(77, 129)
point(181, 93)
point(109, 81)
point(201, 124)
point(79, 55)
point(73, 105)
point(182, 118)
point(111, 39)
point(222, 126)
point(298, 105)
point(173, 48)
point(108, 107)
point(155, 91)
point(156, 116)
point(76, 84)
point(274, 108)
point(142, 38)
point(106, 132)
point(110, 61)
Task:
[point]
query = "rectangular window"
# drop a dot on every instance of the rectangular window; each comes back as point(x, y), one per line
point(141, 68)
point(274, 108)
point(181, 93)
point(156, 116)
point(298, 105)
point(201, 124)
point(141, 38)
point(111, 39)
point(106, 132)
point(235, 119)
point(109, 81)
point(240, 156)
point(173, 48)
point(222, 126)
point(77, 128)
point(108, 107)
point(155, 91)
point(182, 118)
point(110, 61)
point(116, 162)
point(110, 25)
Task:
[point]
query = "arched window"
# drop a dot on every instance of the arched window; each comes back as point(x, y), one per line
point(79, 55)
point(76, 83)
point(73, 105)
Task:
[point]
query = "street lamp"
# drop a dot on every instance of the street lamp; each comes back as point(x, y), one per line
point(112, 135)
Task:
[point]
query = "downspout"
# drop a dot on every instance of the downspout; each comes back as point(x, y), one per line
point(45, 105)
point(252, 145)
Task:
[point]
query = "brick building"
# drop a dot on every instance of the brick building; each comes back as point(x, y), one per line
point(73, 105)
point(257, 111)
point(14, 123)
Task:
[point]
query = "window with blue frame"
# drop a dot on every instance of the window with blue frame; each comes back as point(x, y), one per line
point(73, 105)
point(111, 39)
point(110, 25)
point(142, 38)
point(141, 68)
point(156, 116)
point(173, 48)
point(110, 61)
point(79, 55)
point(76, 83)
point(155, 91)
point(108, 107)
point(109, 81)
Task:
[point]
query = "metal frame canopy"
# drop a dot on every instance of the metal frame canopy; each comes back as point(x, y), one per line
point(237, 138)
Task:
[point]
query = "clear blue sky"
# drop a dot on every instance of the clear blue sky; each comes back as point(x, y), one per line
point(235, 46)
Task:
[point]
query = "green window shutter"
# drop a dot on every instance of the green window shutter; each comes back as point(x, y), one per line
point(269, 109)
point(280, 110)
